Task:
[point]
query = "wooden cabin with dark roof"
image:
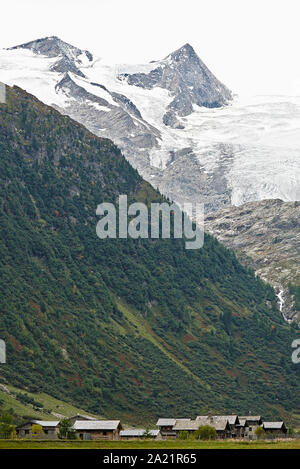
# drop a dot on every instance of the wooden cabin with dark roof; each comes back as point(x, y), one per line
point(274, 428)
point(166, 427)
point(252, 422)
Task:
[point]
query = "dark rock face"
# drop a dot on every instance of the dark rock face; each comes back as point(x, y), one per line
point(66, 65)
point(188, 79)
point(115, 117)
point(67, 85)
point(171, 120)
point(185, 180)
point(126, 104)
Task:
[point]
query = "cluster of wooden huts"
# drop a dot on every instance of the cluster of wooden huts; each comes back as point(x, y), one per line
point(89, 428)
point(86, 428)
point(226, 426)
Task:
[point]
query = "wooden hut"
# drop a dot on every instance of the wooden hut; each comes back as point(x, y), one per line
point(166, 427)
point(252, 422)
point(98, 429)
point(220, 423)
point(49, 429)
point(274, 428)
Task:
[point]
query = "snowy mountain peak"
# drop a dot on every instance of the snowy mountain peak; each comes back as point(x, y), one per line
point(53, 46)
point(188, 81)
point(70, 57)
point(184, 53)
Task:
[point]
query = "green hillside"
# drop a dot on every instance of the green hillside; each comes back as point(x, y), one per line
point(123, 328)
point(40, 406)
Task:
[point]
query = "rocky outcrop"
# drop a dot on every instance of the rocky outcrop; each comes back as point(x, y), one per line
point(113, 116)
point(265, 235)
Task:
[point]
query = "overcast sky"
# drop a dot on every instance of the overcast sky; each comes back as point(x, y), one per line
point(250, 45)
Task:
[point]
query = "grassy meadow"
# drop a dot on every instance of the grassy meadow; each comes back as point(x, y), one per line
point(149, 444)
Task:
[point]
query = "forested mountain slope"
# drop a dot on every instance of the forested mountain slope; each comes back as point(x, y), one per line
point(123, 328)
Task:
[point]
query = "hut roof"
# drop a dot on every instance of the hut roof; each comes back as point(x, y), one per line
point(232, 419)
point(46, 423)
point(96, 424)
point(220, 423)
point(185, 425)
point(165, 422)
point(251, 418)
point(242, 422)
point(82, 417)
point(273, 425)
point(137, 432)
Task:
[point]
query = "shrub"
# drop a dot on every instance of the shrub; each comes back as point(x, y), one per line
point(259, 432)
point(7, 428)
point(205, 432)
point(37, 430)
point(66, 430)
point(183, 435)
